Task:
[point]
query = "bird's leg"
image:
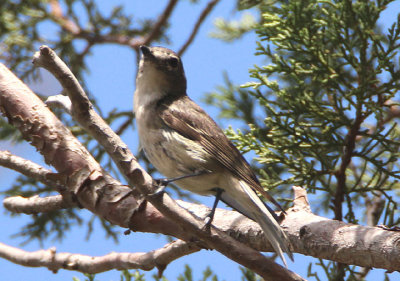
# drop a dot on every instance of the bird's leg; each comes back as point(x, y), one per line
point(210, 216)
point(162, 183)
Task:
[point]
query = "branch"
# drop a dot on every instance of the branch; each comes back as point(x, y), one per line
point(340, 174)
point(77, 169)
point(57, 15)
point(28, 168)
point(36, 204)
point(309, 234)
point(196, 27)
point(83, 112)
point(163, 18)
point(338, 241)
point(54, 261)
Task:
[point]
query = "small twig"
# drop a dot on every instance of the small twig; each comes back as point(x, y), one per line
point(124, 125)
point(54, 261)
point(196, 27)
point(300, 201)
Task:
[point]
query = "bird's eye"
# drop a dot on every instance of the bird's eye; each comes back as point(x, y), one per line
point(173, 62)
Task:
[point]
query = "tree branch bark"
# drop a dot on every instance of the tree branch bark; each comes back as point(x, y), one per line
point(36, 204)
point(311, 235)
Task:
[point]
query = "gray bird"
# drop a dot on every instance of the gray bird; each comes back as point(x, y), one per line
point(182, 141)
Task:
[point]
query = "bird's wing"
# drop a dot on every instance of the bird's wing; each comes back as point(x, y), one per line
point(187, 118)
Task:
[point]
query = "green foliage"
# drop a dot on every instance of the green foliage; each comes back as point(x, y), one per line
point(226, 99)
point(328, 99)
point(232, 30)
point(338, 79)
point(249, 275)
point(89, 277)
point(135, 276)
point(187, 275)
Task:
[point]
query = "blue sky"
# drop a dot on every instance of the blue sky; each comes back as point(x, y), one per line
point(111, 81)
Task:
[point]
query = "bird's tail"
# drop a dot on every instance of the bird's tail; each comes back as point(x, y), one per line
point(269, 225)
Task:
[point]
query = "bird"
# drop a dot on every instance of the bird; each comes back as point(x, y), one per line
point(186, 145)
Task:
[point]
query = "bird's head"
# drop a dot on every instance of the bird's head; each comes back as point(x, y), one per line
point(162, 68)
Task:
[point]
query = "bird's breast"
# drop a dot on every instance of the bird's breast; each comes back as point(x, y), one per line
point(174, 155)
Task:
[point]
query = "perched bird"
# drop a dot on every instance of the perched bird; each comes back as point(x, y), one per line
point(182, 141)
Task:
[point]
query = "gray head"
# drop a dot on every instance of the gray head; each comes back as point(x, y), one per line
point(163, 68)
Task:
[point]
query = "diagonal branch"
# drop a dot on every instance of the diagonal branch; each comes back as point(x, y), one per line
point(196, 27)
point(162, 20)
point(309, 234)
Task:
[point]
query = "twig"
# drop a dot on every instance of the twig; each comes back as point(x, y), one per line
point(57, 15)
point(196, 27)
point(160, 23)
point(375, 206)
point(124, 125)
point(340, 174)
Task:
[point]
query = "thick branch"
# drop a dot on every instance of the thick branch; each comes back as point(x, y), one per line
point(77, 170)
point(338, 241)
point(311, 235)
point(54, 261)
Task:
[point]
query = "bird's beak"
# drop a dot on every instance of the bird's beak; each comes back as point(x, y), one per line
point(145, 51)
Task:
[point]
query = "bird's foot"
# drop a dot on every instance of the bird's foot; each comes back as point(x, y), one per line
point(210, 217)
